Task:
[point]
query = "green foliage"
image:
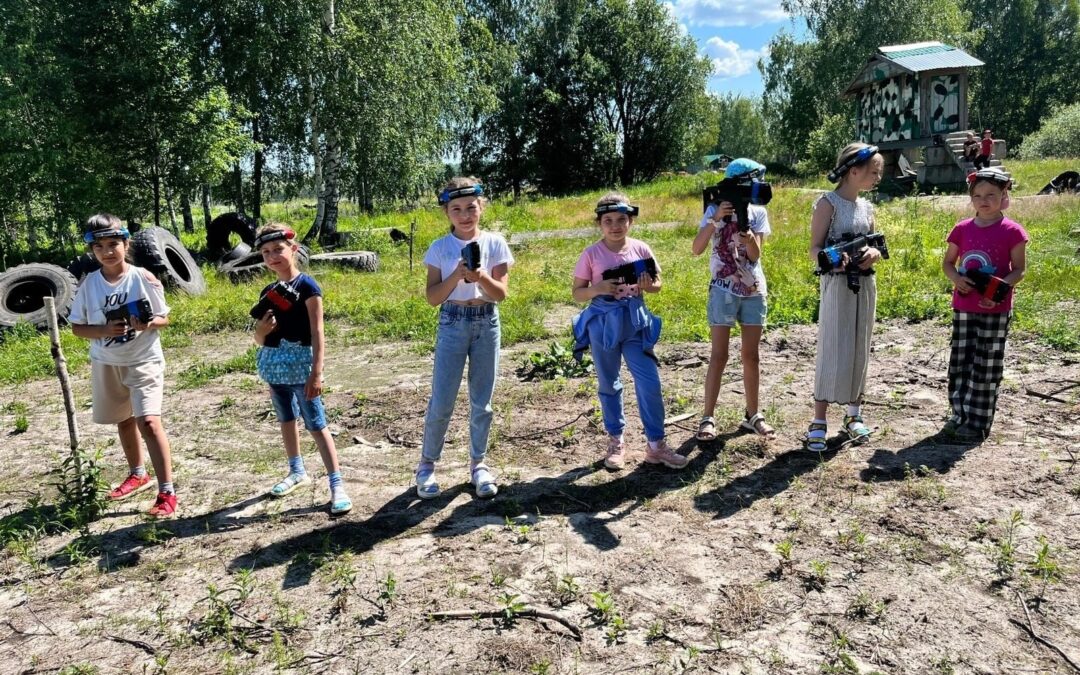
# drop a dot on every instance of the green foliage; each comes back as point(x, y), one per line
point(825, 143)
point(1057, 136)
point(81, 487)
point(201, 373)
point(558, 361)
point(741, 130)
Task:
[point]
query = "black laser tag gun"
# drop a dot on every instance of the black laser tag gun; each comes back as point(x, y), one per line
point(741, 192)
point(470, 255)
point(991, 287)
point(279, 298)
point(832, 256)
point(628, 273)
point(140, 309)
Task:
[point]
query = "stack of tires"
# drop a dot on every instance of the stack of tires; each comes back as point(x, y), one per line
point(23, 289)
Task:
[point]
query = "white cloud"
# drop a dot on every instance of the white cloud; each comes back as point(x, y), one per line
point(683, 29)
point(728, 12)
point(731, 60)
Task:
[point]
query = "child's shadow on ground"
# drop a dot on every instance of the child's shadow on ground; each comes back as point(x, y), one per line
point(939, 451)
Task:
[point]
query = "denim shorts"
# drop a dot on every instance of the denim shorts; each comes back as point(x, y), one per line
point(290, 403)
point(724, 309)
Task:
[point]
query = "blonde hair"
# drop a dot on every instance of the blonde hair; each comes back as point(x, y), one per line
point(849, 151)
point(612, 198)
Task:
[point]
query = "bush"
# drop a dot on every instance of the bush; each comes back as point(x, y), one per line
point(825, 143)
point(1059, 136)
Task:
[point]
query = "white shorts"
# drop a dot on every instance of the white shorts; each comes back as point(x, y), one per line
point(120, 392)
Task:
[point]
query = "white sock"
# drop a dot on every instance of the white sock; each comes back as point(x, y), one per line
point(853, 409)
point(819, 421)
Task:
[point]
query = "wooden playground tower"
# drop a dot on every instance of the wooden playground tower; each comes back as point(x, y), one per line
point(911, 102)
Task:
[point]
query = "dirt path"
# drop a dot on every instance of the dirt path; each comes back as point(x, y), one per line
point(895, 557)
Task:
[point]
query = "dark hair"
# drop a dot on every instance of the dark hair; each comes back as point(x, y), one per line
point(102, 221)
point(611, 198)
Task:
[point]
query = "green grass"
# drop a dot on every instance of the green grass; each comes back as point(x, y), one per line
point(390, 304)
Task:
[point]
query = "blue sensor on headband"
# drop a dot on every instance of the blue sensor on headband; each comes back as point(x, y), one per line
point(453, 193)
point(860, 157)
point(91, 237)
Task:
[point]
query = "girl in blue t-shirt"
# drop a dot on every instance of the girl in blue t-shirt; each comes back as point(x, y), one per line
point(290, 336)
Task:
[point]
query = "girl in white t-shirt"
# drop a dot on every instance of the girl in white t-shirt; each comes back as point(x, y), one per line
point(120, 309)
point(468, 274)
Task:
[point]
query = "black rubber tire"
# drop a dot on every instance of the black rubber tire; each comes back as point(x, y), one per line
point(83, 265)
point(252, 264)
point(159, 251)
point(363, 261)
point(219, 229)
point(241, 250)
point(23, 290)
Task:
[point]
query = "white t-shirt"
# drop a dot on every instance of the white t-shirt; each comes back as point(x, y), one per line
point(96, 297)
point(445, 253)
point(729, 266)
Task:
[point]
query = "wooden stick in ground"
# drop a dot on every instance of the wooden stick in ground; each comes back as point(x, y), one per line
point(1038, 638)
point(523, 614)
point(62, 372)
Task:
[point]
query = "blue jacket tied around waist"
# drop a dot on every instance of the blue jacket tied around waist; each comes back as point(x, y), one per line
point(611, 314)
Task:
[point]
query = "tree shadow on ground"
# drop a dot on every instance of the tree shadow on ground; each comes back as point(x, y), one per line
point(766, 481)
point(939, 451)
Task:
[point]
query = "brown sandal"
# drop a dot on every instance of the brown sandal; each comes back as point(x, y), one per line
point(706, 430)
point(756, 423)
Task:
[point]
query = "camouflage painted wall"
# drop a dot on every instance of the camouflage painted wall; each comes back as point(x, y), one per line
point(889, 110)
point(944, 103)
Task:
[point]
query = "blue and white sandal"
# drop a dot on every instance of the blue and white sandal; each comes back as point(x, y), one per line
point(426, 485)
point(339, 502)
point(484, 481)
point(816, 438)
point(856, 429)
point(289, 484)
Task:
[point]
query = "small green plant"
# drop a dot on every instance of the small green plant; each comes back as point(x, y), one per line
point(21, 423)
point(498, 577)
point(521, 530)
point(511, 606)
point(557, 361)
point(541, 667)
point(784, 548)
point(603, 605)
point(81, 487)
point(387, 590)
point(923, 484)
point(616, 631)
point(568, 589)
point(1005, 551)
point(245, 583)
point(819, 574)
point(1045, 567)
point(864, 606)
point(154, 533)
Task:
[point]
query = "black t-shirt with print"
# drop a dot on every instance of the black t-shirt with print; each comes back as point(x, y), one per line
point(294, 325)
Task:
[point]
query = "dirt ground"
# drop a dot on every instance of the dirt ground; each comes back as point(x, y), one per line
point(900, 556)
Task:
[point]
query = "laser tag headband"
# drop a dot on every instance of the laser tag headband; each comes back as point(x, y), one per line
point(94, 235)
point(744, 168)
point(993, 174)
point(274, 235)
point(619, 207)
point(453, 193)
point(860, 157)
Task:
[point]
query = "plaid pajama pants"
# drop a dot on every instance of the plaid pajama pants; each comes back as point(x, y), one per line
point(976, 366)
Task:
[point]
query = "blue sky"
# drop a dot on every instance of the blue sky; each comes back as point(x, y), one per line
point(733, 34)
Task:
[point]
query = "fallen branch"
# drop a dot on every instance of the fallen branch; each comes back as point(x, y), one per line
point(1045, 397)
point(400, 441)
point(534, 434)
point(138, 644)
point(534, 614)
point(1038, 638)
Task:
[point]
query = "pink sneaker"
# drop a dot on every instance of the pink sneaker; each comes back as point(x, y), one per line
point(662, 454)
point(616, 454)
point(131, 485)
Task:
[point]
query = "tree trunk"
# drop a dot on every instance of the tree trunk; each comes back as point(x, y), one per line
point(172, 210)
point(157, 198)
point(185, 209)
point(256, 135)
point(331, 191)
point(31, 230)
point(238, 185)
point(206, 205)
point(316, 157)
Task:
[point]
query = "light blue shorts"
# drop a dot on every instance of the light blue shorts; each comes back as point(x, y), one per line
point(725, 309)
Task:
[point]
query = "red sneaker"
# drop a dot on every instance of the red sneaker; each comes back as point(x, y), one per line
point(164, 507)
point(130, 486)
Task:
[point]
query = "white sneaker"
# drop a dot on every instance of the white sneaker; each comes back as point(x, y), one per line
point(426, 485)
point(484, 481)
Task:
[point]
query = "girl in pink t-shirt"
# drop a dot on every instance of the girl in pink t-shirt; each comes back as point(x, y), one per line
point(611, 276)
point(985, 259)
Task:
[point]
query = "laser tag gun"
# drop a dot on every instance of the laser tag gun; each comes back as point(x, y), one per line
point(279, 298)
point(991, 287)
point(140, 309)
point(628, 273)
point(832, 256)
point(470, 255)
point(741, 191)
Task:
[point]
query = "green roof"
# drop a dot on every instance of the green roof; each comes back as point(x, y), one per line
point(919, 51)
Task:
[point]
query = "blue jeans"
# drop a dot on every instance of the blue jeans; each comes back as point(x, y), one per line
point(290, 403)
point(464, 333)
point(650, 400)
